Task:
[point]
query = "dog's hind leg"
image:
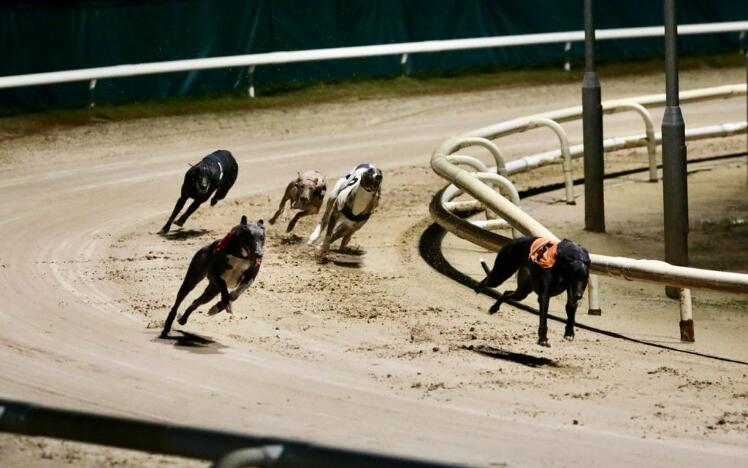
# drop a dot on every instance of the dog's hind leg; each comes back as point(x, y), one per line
point(177, 208)
point(183, 219)
point(210, 292)
point(571, 312)
point(195, 273)
point(524, 288)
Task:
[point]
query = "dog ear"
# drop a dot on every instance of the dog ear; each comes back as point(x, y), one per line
point(260, 222)
point(298, 176)
point(244, 220)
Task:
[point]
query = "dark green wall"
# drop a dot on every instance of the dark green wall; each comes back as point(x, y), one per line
point(49, 36)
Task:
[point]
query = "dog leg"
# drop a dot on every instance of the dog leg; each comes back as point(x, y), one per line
point(543, 300)
point(571, 312)
point(327, 239)
point(225, 302)
point(296, 219)
point(280, 209)
point(210, 292)
point(189, 283)
point(177, 208)
point(193, 206)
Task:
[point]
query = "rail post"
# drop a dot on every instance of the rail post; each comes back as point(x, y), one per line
point(592, 112)
point(674, 154)
point(593, 296)
point(686, 317)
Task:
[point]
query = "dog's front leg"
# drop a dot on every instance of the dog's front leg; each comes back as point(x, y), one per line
point(543, 300)
point(571, 312)
point(281, 206)
point(247, 280)
point(194, 206)
point(297, 217)
point(177, 208)
point(225, 302)
point(325, 246)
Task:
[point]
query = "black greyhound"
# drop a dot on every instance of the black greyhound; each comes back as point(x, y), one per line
point(216, 172)
point(545, 267)
point(231, 262)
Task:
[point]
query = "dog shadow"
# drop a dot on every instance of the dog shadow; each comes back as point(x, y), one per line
point(184, 234)
point(291, 239)
point(524, 359)
point(194, 343)
point(349, 257)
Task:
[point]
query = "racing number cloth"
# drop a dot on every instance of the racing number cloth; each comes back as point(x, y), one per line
point(543, 252)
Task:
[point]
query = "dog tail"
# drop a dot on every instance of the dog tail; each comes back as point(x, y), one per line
point(511, 256)
point(485, 267)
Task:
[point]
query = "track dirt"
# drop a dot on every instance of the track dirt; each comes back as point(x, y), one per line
point(388, 355)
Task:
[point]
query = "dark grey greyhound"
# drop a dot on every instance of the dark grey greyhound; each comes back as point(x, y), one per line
point(216, 172)
point(546, 267)
point(231, 262)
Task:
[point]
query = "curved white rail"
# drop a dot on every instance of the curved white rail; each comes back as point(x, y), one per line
point(618, 267)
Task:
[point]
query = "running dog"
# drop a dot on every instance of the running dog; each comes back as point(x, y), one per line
point(306, 194)
point(349, 206)
point(215, 173)
point(546, 267)
point(232, 262)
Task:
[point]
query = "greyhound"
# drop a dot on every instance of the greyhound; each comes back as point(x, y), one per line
point(216, 172)
point(349, 206)
point(546, 267)
point(232, 262)
point(306, 194)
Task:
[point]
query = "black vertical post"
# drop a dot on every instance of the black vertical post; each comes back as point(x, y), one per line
point(592, 114)
point(674, 182)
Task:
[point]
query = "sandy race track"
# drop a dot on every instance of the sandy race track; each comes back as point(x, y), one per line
point(391, 356)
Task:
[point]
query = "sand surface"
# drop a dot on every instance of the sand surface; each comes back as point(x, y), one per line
point(388, 356)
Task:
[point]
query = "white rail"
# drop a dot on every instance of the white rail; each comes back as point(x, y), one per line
point(619, 267)
point(404, 49)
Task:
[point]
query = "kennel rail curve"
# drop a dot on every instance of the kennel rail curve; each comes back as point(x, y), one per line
point(509, 212)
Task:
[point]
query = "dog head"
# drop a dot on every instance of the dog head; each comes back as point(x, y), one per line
point(250, 239)
point(574, 263)
point(310, 186)
point(371, 179)
point(198, 180)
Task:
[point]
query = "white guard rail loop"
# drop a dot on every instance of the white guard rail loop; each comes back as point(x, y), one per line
point(474, 184)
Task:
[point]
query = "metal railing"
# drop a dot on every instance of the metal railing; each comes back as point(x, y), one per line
point(472, 183)
point(225, 449)
point(403, 49)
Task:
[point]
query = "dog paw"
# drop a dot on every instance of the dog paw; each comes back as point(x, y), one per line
point(180, 222)
point(164, 230)
point(569, 337)
point(213, 310)
point(182, 320)
point(213, 202)
point(164, 334)
point(544, 343)
point(493, 309)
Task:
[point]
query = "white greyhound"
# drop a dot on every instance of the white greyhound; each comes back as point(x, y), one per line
point(349, 205)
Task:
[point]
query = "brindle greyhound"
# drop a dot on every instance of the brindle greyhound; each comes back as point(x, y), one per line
point(306, 194)
point(349, 205)
point(545, 267)
point(232, 262)
point(215, 173)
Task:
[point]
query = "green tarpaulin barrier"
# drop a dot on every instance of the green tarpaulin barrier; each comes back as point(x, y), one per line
point(47, 36)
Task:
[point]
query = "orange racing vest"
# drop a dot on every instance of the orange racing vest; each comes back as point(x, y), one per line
point(543, 252)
